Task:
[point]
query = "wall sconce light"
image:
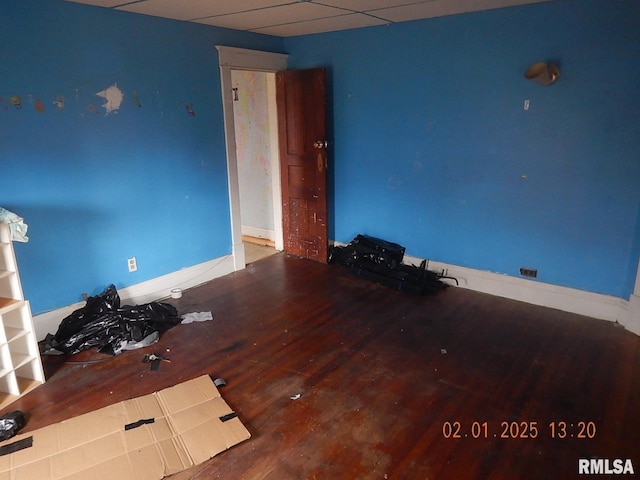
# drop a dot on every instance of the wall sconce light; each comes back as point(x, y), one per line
point(543, 73)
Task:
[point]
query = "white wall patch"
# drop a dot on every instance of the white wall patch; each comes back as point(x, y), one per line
point(113, 96)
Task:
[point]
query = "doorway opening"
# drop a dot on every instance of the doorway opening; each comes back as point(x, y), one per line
point(255, 119)
point(233, 61)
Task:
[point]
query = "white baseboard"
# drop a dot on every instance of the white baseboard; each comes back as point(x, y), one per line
point(158, 288)
point(594, 305)
point(258, 233)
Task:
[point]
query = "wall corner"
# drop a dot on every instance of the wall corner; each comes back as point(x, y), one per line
point(630, 316)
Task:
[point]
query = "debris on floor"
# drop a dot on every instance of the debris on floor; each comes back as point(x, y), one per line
point(154, 359)
point(220, 382)
point(103, 324)
point(11, 423)
point(381, 261)
point(196, 317)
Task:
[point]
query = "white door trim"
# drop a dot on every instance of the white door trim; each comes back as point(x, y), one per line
point(232, 58)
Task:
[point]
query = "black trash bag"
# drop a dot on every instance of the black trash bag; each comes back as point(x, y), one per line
point(10, 424)
point(368, 252)
point(374, 253)
point(107, 302)
point(381, 261)
point(407, 278)
point(104, 325)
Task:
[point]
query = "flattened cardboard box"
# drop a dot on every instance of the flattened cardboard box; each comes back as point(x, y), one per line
point(186, 430)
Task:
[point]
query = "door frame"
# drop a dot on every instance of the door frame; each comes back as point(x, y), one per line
point(233, 58)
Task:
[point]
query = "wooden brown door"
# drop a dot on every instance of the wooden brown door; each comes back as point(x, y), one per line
point(300, 98)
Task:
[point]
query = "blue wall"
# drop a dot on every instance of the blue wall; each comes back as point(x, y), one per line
point(431, 145)
point(434, 150)
point(148, 180)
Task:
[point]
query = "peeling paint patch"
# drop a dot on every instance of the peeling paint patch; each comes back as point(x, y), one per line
point(59, 102)
point(16, 101)
point(113, 96)
point(39, 106)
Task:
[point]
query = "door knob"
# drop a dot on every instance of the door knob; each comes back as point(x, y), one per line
point(320, 144)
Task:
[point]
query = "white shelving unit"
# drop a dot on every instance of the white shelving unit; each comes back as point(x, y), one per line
point(20, 363)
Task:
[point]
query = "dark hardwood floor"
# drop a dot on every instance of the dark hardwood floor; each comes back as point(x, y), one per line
point(383, 377)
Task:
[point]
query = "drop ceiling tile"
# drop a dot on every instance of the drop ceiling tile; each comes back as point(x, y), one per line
point(322, 25)
point(289, 17)
point(439, 8)
point(268, 17)
point(365, 5)
point(100, 3)
point(194, 9)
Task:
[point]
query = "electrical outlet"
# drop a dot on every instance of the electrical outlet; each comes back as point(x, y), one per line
point(133, 264)
point(529, 272)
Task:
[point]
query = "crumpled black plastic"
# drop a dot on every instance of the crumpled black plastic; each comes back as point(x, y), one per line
point(10, 423)
point(103, 324)
point(378, 255)
point(381, 261)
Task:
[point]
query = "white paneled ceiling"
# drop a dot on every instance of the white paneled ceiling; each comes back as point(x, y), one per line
point(301, 17)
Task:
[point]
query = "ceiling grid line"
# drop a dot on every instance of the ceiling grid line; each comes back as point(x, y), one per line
point(286, 18)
